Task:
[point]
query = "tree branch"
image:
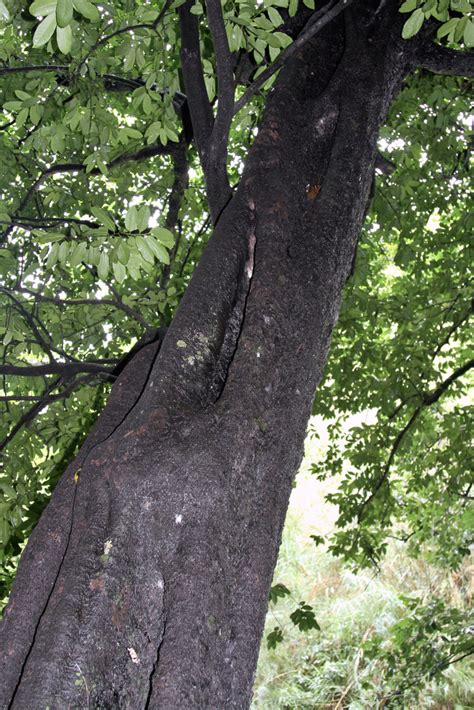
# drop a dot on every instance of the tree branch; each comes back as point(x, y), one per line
point(428, 399)
point(180, 183)
point(217, 178)
point(44, 400)
point(48, 222)
point(124, 30)
point(438, 348)
point(443, 60)
point(316, 23)
point(452, 330)
point(114, 303)
point(31, 322)
point(199, 106)
point(66, 369)
point(142, 154)
point(34, 68)
point(28, 416)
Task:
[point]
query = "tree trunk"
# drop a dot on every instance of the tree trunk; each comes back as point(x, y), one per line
point(145, 583)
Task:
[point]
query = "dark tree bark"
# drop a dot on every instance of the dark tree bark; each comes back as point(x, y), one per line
point(145, 583)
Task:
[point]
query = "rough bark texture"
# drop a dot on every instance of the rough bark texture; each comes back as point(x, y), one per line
point(145, 584)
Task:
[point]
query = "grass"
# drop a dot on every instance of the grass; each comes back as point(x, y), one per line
point(327, 669)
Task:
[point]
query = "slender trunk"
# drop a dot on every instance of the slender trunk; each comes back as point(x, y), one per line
point(145, 584)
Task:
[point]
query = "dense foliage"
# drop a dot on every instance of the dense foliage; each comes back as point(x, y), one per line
point(104, 217)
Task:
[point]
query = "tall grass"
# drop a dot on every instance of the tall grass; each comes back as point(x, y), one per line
point(327, 668)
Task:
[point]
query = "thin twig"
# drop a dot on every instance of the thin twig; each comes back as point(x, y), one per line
point(314, 25)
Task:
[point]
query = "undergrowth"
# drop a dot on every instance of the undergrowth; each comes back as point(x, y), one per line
point(371, 650)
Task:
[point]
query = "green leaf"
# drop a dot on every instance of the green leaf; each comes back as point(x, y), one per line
point(63, 252)
point(274, 637)
point(303, 617)
point(131, 219)
point(13, 105)
point(4, 14)
point(143, 215)
point(103, 265)
point(123, 253)
point(104, 218)
point(447, 27)
point(413, 24)
point(49, 237)
point(41, 8)
point(52, 256)
point(278, 591)
point(283, 38)
point(64, 39)
point(275, 17)
point(22, 117)
point(8, 337)
point(22, 95)
point(197, 9)
point(408, 6)
point(78, 254)
point(119, 271)
point(159, 250)
point(469, 34)
point(460, 29)
point(87, 9)
point(164, 236)
point(36, 113)
point(64, 12)
point(44, 31)
point(93, 255)
point(172, 135)
point(144, 249)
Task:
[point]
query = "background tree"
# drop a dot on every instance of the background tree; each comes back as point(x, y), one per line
point(149, 572)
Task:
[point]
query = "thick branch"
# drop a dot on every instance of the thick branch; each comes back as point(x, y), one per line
point(180, 183)
point(199, 105)
point(443, 60)
point(217, 178)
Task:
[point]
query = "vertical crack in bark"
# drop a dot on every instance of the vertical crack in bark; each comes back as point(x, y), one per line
point(35, 633)
point(158, 650)
point(68, 538)
point(236, 319)
point(131, 408)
